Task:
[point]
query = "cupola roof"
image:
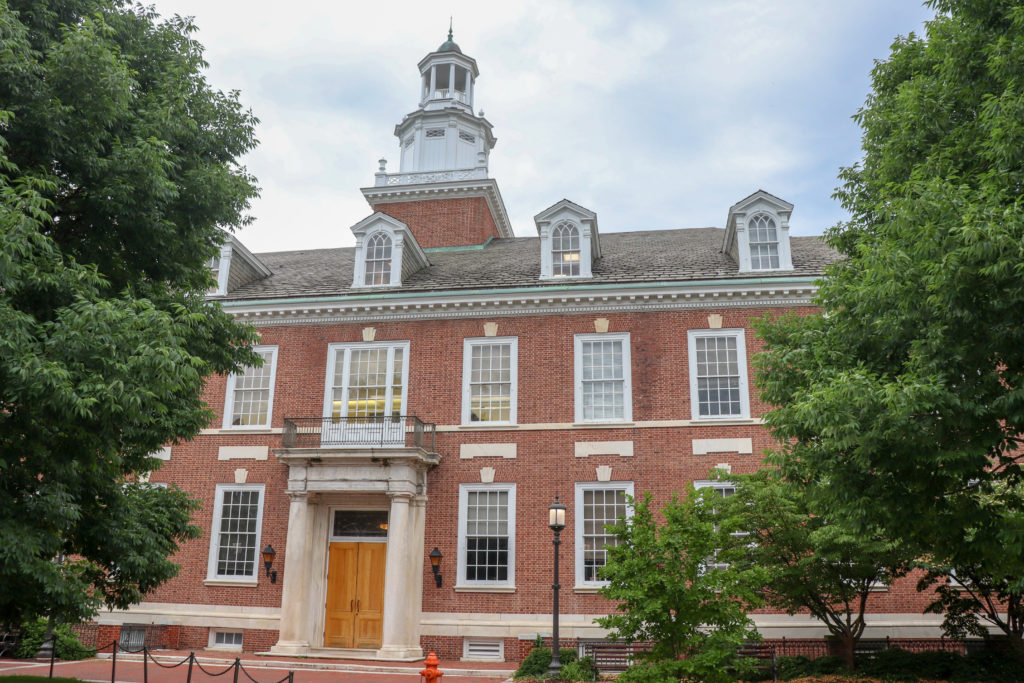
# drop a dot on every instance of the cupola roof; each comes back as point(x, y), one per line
point(449, 45)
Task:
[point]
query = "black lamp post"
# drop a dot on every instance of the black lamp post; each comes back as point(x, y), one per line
point(556, 520)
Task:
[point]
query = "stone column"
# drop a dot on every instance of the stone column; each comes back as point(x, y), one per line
point(417, 563)
point(396, 642)
point(294, 638)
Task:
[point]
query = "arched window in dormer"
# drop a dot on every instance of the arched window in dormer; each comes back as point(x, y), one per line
point(378, 260)
point(764, 242)
point(565, 250)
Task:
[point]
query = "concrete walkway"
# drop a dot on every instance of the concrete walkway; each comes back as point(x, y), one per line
point(254, 669)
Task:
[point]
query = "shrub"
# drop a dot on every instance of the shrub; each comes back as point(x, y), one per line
point(538, 661)
point(659, 671)
point(580, 670)
point(34, 632)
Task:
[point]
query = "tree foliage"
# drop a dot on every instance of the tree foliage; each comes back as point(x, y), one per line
point(693, 616)
point(117, 169)
point(810, 563)
point(906, 399)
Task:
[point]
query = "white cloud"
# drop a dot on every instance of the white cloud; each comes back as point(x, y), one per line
point(652, 114)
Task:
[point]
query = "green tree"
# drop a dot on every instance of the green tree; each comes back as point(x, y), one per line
point(812, 565)
point(117, 171)
point(693, 616)
point(907, 396)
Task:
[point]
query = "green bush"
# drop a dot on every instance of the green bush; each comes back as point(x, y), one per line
point(661, 671)
point(34, 632)
point(580, 670)
point(909, 666)
point(823, 666)
point(538, 661)
point(992, 665)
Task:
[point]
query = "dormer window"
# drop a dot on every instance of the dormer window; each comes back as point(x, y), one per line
point(569, 241)
point(764, 243)
point(378, 260)
point(386, 252)
point(565, 250)
point(757, 233)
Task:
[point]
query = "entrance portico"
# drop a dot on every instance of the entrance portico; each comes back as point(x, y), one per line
point(322, 480)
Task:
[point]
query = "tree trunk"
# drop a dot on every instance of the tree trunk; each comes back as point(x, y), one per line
point(846, 647)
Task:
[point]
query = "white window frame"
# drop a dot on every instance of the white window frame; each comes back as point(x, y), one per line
point(229, 392)
point(467, 370)
point(718, 485)
point(464, 490)
point(211, 569)
point(741, 361)
point(379, 234)
point(627, 372)
point(346, 348)
point(751, 243)
point(581, 487)
point(213, 645)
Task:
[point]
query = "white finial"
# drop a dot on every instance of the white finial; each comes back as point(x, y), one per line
point(383, 164)
point(481, 114)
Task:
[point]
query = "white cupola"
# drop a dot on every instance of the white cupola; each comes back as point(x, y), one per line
point(444, 134)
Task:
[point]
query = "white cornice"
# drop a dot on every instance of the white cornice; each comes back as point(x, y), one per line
point(498, 303)
point(486, 188)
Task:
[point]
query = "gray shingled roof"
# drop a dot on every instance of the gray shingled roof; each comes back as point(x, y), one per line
point(643, 256)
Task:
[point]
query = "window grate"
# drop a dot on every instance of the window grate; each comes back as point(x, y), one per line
point(483, 650)
point(435, 133)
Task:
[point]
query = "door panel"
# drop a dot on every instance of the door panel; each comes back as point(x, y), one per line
point(355, 595)
point(341, 594)
point(369, 618)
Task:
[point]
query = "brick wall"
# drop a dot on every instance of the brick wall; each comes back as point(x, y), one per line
point(445, 222)
point(663, 461)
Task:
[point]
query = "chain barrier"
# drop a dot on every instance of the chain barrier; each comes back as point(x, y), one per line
point(147, 656)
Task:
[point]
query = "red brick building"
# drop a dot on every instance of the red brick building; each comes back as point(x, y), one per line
point(438, 384)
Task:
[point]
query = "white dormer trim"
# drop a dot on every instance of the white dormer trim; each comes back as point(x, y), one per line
point(251, 268)
point(584, 221)
point(406, 255)
point(737, 233)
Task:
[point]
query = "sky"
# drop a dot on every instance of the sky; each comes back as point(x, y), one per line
point(653, 114)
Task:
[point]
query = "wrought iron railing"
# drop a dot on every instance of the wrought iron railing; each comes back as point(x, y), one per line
point(396, 431)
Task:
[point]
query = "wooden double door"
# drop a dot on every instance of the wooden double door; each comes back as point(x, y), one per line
point(355, 595)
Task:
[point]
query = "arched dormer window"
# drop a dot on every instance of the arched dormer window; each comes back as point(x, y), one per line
point(378, 260)
point(565, 250)
point(764, 243)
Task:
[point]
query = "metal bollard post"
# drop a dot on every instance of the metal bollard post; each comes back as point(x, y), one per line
point(191, 658)
point(145, 664)
point(113, 663)
point(238, 665)
point(53, 651)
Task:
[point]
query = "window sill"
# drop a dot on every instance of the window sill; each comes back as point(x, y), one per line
point(731, 420)
point(245, 583)
point(462, 588)
point(244, 430)
point(622, 423)
point(225, 648)
point(586, 589)
point(484, 426)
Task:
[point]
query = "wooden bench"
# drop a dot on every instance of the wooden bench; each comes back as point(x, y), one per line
point(612, 657)
point(765, 656)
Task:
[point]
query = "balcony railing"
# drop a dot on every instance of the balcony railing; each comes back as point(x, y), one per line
point(397, 431)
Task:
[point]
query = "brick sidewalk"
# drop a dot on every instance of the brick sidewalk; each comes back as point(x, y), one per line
point(270, 670)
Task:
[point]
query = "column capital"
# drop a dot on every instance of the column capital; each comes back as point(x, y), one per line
point(401, 496)
point(297, 496)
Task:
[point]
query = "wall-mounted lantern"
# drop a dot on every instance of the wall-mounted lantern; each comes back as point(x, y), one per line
point(268, 559)
point(435, 565)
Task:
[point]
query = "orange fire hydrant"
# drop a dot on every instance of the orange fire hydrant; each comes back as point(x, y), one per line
point(431, 674)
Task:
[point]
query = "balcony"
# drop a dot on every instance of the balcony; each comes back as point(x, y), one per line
point(397, 431)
